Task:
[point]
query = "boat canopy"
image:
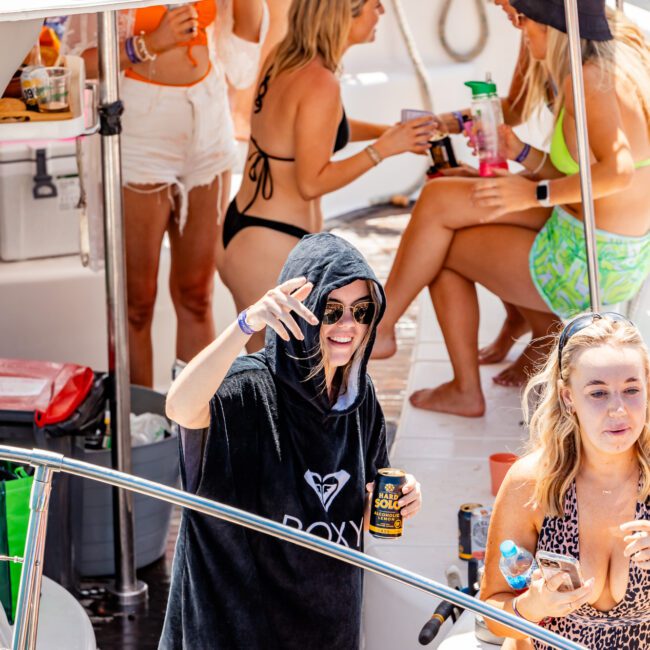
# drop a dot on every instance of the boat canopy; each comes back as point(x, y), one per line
point(32, 9)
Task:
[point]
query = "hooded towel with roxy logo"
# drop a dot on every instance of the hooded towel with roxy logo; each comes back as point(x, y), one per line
point(278, 448)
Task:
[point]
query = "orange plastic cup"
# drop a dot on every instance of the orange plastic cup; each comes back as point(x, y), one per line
point(499, 466)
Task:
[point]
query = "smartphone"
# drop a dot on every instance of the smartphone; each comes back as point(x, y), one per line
point(409, 114)
point(551, 564)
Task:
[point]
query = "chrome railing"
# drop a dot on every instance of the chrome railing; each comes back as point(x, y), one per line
point(46, 463)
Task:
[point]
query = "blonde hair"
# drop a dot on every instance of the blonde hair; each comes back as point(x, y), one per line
point(358, 354)
point(625, 57)
point(555, 433)
point(316, 28)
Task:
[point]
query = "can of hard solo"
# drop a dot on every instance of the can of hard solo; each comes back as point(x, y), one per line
point(465, 530)
point(385, 516)
point(479, 524)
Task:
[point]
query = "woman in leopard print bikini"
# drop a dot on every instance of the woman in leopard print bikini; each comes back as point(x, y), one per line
point(589, 453)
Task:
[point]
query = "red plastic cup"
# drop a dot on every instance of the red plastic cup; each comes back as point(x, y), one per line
point(499, 466)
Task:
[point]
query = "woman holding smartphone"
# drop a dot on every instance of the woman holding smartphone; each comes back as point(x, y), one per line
point(582, 489)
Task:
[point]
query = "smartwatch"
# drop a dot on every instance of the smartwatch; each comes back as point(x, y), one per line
point(543, 194)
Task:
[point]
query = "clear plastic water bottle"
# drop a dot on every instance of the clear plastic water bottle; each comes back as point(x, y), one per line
point(516, 564)
point(487, 116)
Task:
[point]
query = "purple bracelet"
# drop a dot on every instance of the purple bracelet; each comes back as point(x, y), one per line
point(243, 325)
point(461, 121)
point(130, 51)
point(517, 612)
point(523, 154)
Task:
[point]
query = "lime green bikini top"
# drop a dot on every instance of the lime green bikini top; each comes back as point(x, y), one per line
point(560, 155)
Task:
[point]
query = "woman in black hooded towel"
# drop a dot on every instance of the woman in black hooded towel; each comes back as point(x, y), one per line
point(293, 433)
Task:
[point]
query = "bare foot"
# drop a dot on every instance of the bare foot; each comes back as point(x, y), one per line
point(449, 398)
point(385, 344)
point(519, 372)
point(514, 326)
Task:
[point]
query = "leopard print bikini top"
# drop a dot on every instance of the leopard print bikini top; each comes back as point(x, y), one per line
point(627, 625)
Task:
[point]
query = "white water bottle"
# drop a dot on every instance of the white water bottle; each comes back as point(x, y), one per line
point(516, 564)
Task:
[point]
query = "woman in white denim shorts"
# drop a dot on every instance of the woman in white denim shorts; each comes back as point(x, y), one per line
point(178, 149)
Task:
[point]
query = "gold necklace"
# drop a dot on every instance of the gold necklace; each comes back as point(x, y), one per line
point(623, 484)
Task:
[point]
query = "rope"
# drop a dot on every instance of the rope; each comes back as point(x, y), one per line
point(463, 57)
point(426, 93)
point(414, 55)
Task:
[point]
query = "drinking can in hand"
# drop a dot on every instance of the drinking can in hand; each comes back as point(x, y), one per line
point(385, 515)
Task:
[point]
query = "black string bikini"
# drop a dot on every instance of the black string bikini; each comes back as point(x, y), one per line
point(259, 172)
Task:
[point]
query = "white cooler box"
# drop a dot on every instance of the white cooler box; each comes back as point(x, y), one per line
point(39, 193)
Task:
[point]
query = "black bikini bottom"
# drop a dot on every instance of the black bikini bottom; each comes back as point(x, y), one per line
point(235, 221)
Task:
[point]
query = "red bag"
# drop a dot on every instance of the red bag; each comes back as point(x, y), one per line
point(42, 391)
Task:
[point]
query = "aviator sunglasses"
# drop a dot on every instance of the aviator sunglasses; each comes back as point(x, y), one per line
point(362, 312)
point(579, 323)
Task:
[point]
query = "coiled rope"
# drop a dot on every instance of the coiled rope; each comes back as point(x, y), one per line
point(484, 32)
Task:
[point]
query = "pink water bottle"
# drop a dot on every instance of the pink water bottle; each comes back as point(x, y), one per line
point(487, 116)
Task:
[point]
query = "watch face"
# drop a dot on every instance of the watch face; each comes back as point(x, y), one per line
point(542, 192)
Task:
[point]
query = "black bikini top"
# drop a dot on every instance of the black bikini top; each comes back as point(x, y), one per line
point(259, 171)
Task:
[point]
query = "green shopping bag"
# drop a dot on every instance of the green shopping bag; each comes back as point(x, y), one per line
point(15, 490)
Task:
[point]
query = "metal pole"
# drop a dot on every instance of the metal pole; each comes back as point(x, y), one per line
point(30, 579)
point(577, 82)
point(127, 588)
point(286, 533)
point(36, 589)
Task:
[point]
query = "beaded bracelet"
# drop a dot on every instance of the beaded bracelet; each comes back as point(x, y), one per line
point(243, 325)
point(523, 154)
point(141, 48)
point(130, 50)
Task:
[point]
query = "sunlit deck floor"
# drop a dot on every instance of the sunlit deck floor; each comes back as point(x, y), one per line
point(376, 233)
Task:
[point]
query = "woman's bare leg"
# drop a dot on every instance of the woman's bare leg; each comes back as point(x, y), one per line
point(456, 303)
point(193, 260)
point(251, 265)
point(497, 257)
point(443, 208)
point(514, 327)
point(518, 372)
point(146, 216)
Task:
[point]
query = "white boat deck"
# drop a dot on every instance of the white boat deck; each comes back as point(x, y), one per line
point(449, 456)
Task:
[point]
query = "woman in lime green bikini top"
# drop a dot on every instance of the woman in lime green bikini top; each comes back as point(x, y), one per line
point(561, 156)
point(617, 84)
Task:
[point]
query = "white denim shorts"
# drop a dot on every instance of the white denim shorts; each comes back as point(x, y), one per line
point(181, 136)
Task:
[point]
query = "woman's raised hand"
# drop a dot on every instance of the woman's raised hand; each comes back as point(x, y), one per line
point(177, 26)
point(275, 309)
point(543, 598)
point(413, 136)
